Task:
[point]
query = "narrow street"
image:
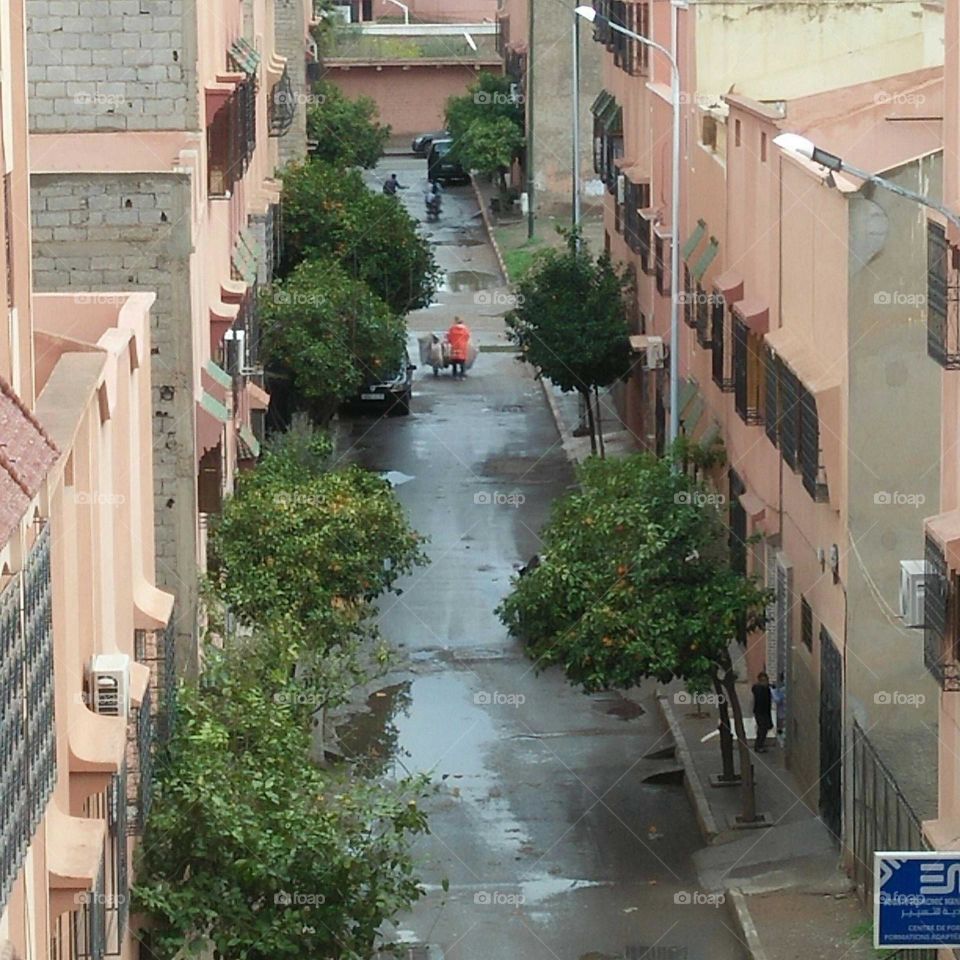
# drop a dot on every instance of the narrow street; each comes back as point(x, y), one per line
point(552, 843)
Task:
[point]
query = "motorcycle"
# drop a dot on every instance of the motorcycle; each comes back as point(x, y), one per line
point(433, 205)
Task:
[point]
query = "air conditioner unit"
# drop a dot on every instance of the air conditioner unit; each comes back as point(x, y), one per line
point(654, 353)
point(110, 684)
point(621, 188)
point(913, 575)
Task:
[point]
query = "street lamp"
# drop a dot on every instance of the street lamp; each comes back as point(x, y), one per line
point(802, 147)
point(470, 41)
point(404, 8)
point(588, 13)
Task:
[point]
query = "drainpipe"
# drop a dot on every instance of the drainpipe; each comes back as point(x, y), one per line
point(530, 59)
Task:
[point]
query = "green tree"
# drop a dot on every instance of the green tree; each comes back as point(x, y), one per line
point(326, 333)
point(346, 132)
point(330, 214)
point(251, 851)
point(570, 322)
point(634, 583)
point(486, 125)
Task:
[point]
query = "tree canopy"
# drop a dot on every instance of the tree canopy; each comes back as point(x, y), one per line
point(331, 214)
point(346, 132)
point(328, 334)
point(634, 581)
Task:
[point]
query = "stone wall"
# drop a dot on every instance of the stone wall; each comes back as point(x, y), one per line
point(109, 233)
point(111, 65)
point(291, 43)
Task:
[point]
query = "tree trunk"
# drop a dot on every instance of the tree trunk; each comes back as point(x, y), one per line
point(726, 738)
point(591, 422)
point(603, 452)
point(748, 813)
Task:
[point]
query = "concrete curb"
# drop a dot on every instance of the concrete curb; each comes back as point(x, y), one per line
point(747, 929)
point(488, 226)
point(566, 438)
point(691, 779)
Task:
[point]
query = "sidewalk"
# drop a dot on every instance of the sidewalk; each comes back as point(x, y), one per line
point(784, 886)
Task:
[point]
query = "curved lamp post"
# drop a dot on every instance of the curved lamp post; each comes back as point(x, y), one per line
point(588, 13)
point(802, 147)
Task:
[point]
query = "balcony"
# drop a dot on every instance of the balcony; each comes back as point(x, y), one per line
point(939, 634)
point(943, 299)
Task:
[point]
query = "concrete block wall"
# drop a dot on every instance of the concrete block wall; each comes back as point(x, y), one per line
point(111, 65)
point(112, 233)
point(291, 43)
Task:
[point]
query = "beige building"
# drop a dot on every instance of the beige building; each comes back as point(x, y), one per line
point(83, 628)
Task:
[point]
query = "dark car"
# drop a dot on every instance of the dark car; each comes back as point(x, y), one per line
point(441, 167)
point(421, 144)
point(394, 391)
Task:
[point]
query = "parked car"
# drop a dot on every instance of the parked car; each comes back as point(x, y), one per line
point(422, 143)
point(441, 167)
point(393, 391)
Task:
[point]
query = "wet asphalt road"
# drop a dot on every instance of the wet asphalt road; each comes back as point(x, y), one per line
point(553, 845)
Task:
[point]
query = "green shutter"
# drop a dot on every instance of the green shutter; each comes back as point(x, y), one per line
point(706, 258)
point(214, 407)
point(693, 240)
point(218, 374)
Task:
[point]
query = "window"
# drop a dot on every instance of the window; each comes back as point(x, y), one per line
point(661, 265)
point(736, 133)
point(636, 198)
point(8, 235)
point(763, 147)
point(689, 298)
point(720, 345)
point(943, 328)
point(748, 373)
point(806, 623)
point(619, 199)
point(809, 445)
point(620, 43)
point(772, 397)
point(939, 617)
point(705, 302)
point(646, 229)
point(789, 415)
point(708, 131)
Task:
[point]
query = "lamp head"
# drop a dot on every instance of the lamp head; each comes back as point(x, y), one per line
point(588, 13)
point(794, 143)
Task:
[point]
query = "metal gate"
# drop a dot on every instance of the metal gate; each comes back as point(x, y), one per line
point(831, 734)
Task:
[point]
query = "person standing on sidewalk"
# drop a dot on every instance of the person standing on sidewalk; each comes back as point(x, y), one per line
point(458, 336)
point(762, 702)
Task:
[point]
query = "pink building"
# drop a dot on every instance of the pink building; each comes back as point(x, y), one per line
point(154, 148)
point(82, 624)
point(801, 349)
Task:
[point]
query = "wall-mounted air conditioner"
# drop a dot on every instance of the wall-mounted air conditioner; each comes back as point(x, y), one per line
point(654, 353)
point(913, 575)
point(110, 684)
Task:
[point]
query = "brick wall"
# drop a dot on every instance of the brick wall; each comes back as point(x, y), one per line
point(120, 233)
point(291, 43)
point(111, 65)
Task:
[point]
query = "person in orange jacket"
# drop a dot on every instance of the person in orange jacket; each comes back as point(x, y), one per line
point(458, 336)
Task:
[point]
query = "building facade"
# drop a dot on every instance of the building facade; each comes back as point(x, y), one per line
point(800, 350)
point(84, 631)
point(155, 142)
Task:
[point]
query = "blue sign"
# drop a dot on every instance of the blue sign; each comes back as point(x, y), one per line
point(916, 900)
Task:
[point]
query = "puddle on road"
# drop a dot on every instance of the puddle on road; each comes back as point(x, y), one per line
point(467, 281)
point(369, 738)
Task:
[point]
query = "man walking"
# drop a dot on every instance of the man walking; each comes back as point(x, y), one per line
point(762, 701)
point(458, 336)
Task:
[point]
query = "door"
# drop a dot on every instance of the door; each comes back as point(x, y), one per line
point(831, 734)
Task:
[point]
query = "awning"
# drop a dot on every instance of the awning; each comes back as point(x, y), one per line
point(709, 437)
point(817, 376)
point(706, 258)
point(257, 397)
point(686, 393)
point(730, 286)
point(693, 240)
point(755, 314)
point(212, 415)
point(609, 115)
point(944, 529)
point(690, 417)
point(753, 506)
point(218, 374)
point(248, 445)
point(245, 55)
point(600, 103)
